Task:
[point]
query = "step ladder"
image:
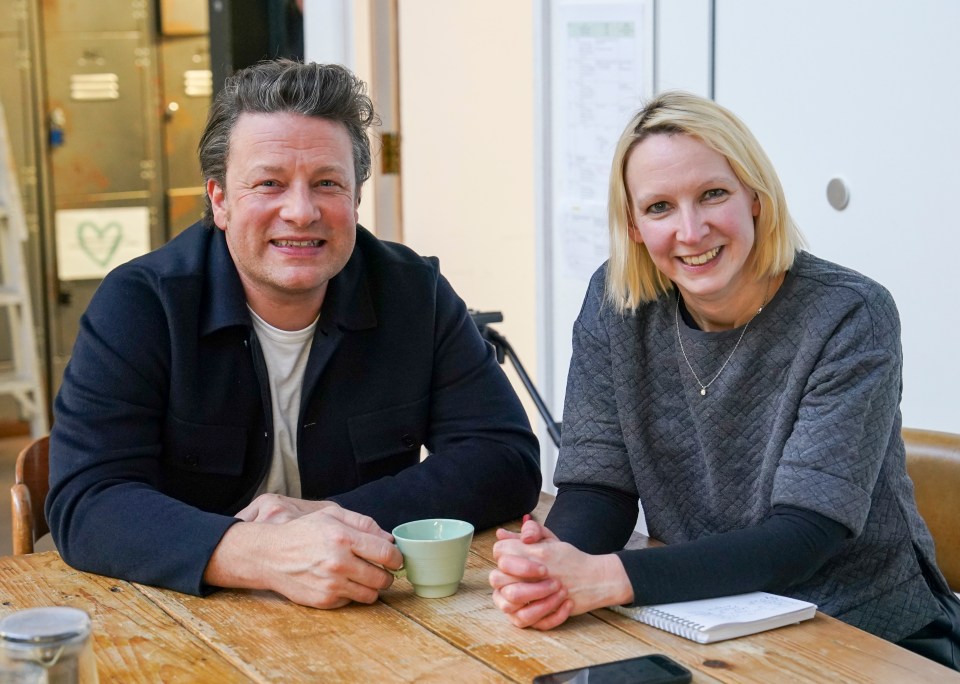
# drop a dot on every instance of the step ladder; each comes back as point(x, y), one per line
point(22, 380)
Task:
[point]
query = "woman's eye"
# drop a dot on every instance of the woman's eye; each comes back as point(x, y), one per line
point(714, 193)
point(658, 207)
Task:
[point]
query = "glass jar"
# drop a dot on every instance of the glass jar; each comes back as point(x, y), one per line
point(47, 646)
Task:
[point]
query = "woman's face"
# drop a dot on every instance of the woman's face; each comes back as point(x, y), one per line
point(696, 219)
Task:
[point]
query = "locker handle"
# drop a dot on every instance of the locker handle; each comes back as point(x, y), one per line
point(58, 121)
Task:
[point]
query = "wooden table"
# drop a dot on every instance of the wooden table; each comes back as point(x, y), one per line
point(145, 634)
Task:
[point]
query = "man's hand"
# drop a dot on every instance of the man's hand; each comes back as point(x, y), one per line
point(540, 581)
point(276, 508)
point(325, 558)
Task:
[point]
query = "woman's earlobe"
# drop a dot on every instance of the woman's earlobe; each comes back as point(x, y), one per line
point(634, 234)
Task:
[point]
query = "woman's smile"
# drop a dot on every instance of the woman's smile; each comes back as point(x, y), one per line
point(701, 259)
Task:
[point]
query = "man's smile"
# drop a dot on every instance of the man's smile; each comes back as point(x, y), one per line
point(297, 243)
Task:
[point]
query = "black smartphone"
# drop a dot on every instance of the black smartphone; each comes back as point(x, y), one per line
point(649, 669)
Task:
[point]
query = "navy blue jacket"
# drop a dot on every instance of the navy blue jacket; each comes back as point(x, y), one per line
point(163, 428)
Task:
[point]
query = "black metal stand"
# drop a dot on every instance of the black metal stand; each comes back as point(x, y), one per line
point(503, 349)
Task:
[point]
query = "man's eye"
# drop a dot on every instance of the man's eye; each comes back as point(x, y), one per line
point(268, 184)
point(327, 184)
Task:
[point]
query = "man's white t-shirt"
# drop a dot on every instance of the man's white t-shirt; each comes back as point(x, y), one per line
point(285, 353)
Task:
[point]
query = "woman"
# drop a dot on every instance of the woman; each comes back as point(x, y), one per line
point(745, 391)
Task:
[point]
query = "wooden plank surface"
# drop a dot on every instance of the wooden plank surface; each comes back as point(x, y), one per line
point(134, 641)
point(820, 650)
point(273, 640)
point(470, 621)
point(149, 634)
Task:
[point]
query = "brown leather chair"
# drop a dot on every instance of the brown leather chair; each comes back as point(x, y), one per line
point(28, 495)
point(933, 462)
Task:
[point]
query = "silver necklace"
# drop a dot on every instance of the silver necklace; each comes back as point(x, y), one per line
point(676, 318)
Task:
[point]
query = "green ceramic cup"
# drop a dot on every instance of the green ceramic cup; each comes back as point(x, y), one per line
point(434, 554)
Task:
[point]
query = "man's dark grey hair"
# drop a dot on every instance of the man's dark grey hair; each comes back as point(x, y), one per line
point(325, 91)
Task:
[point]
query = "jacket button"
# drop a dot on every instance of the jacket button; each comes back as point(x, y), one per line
point(191, 460)
point(408, 442)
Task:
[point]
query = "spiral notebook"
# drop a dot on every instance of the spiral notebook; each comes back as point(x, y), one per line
point(727, 617)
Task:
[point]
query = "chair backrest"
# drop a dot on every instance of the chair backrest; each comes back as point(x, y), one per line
point(933, 462)
point(28, 495)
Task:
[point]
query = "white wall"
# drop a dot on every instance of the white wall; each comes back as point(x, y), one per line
point(684, 42)
point(864, 92)
point(466, 110)
point(337, 32)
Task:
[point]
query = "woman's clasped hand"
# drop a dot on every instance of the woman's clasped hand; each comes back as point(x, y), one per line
point(541, 581)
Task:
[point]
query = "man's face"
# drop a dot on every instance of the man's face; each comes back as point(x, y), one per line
point(288, 209)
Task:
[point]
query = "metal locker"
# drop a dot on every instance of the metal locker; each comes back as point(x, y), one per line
point(187, 90)
point(184, 18)
point(106, 103)
point(84, 16)
point(103, 118)
point(98, 101)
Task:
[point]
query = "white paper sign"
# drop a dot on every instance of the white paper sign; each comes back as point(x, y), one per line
point(601, 69)
point(602, 59)
point(91, 242)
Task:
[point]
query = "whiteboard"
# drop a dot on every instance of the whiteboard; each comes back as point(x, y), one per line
point(597, 71)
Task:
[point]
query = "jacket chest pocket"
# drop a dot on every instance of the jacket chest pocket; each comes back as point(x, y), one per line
point(204, 449)
point(387, 441)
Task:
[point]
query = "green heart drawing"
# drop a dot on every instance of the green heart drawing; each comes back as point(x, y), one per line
point(100, 244)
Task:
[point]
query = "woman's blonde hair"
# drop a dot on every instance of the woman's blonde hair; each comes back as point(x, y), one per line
point(632, 277)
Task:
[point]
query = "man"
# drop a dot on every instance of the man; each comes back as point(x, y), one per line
point(245, 406)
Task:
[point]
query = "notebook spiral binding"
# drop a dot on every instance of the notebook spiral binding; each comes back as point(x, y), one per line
point(670, 623)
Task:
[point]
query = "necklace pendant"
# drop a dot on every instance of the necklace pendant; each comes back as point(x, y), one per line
point(703, 391)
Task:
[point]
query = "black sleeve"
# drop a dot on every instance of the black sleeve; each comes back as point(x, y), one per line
point(784, 549)
point(595, 519)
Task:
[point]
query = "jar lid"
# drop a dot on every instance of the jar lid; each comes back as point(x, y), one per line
point(45, 625)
